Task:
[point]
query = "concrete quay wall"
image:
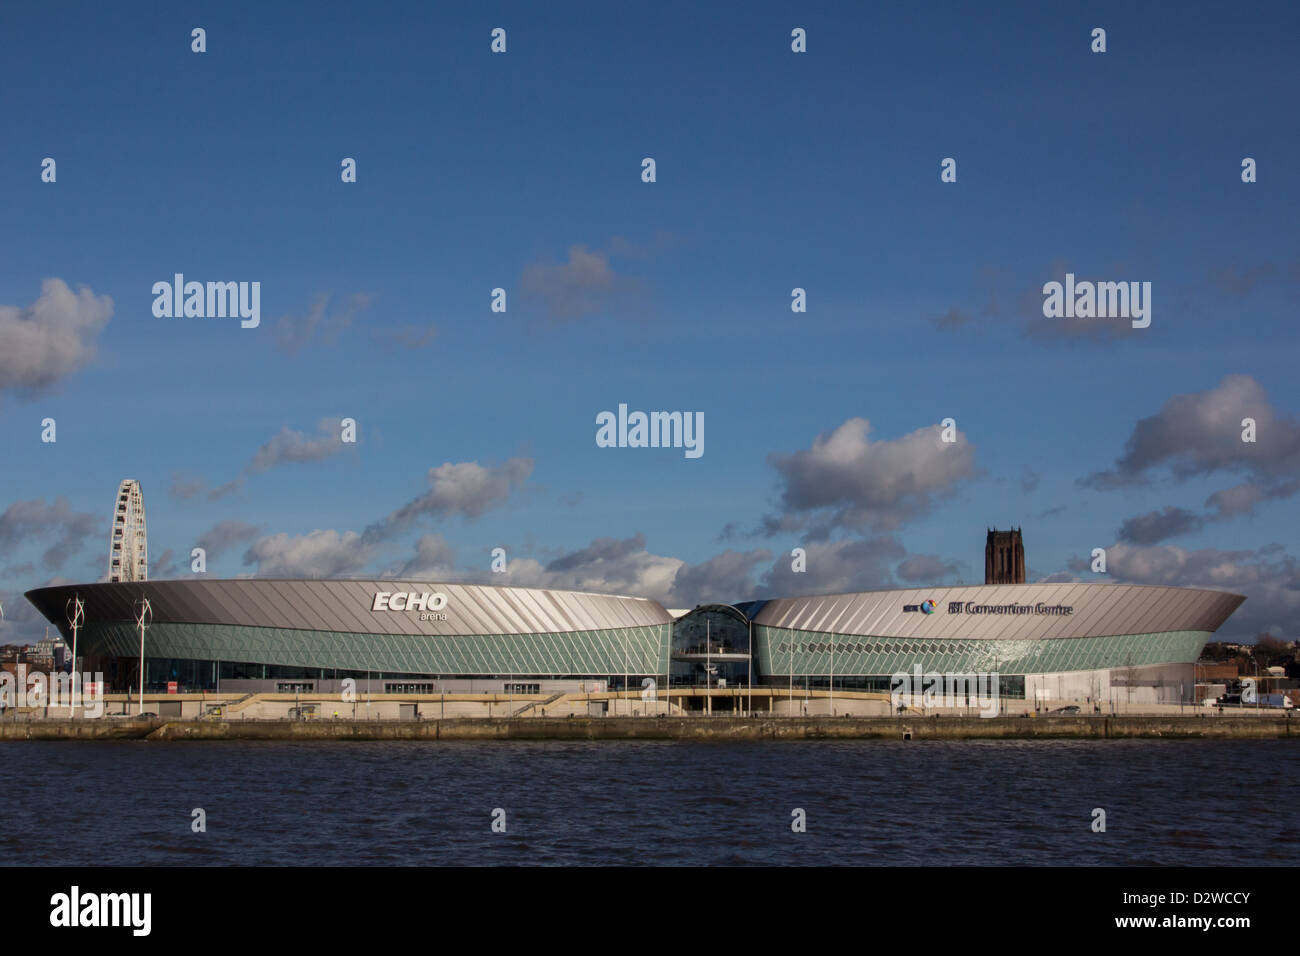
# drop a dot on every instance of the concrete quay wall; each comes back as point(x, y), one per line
point(664, 728)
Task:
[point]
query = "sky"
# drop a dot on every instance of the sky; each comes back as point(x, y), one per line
point(774, 170)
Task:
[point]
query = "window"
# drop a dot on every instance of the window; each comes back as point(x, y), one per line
point(408, 687)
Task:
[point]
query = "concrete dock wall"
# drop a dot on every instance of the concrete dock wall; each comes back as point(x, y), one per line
point(1098, 727)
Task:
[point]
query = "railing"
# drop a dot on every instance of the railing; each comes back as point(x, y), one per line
point(700, 650)
point(538, 703)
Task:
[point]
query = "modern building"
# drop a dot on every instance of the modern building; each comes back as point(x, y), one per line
point(1045, 641)
point(1079, 641)
point(284, 635)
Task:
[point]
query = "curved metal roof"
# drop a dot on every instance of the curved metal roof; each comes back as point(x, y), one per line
point(347, 606)
point(1095, 610)
point(730, 609)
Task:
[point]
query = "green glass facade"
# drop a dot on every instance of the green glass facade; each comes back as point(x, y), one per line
point(610, 651)
point(804, 653)
point(644, 650)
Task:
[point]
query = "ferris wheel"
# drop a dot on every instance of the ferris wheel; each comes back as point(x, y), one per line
point(128, 552)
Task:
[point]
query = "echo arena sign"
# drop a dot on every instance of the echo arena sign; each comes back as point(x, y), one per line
point(428, 604)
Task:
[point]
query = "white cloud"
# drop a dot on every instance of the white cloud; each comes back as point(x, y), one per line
point(847, 480)
point(294, 332)
point(51, 338)
point(223, 535)
point(319, 554)
point(463, 488)
point(926, 569)
point(289, 446)
point(1155, 526)
point(581, 286)
point(834, 567)
point(1268, 576)
point(1200, 433)
point(34, 520)
point(433, 558)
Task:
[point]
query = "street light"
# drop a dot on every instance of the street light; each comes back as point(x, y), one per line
point(749, 675)
point(832, 674)
point(668, 676)
point(76, 615)
point(709, 675)
point(143, 611)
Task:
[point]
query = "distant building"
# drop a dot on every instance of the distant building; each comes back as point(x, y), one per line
point(1004, 557)
point(1217, 671)
point(51, 649)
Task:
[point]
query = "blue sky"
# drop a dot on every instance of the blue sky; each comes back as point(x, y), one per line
point(775, 170)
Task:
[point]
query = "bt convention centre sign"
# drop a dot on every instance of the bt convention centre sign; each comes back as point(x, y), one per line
point(970, 607)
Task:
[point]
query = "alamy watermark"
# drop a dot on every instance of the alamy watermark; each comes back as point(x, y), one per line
point(212, 300)
point(38, 689)
point(950, 689)
point(652, 430)
point(1098, 300)
point(74, 909)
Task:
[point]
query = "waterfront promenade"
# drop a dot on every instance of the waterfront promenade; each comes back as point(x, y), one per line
point(775, 702)
point(697, 728)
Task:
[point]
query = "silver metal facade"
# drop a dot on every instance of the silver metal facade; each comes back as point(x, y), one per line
point(346, 606)
point(530, 630)
point(1097, 610)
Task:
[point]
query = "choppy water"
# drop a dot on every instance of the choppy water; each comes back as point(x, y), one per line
point(867, 802)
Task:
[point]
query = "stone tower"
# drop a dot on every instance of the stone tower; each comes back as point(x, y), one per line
point(1004, 557)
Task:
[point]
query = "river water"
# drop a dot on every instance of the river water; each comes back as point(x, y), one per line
point(651, 802)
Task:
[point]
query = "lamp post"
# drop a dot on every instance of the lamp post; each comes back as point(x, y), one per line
point(832, 675)
point(143, 614)
point(668, 676)
point(76, 615)
point(709, 675)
